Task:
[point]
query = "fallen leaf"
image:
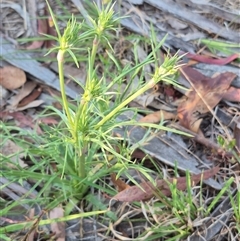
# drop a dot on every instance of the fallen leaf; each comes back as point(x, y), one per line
point(42, 29)
point(138, 154)
point(58, 228)
point(146, 190)
point(45, 26)
point(26, 121)
point(207, 60)
point(51, 31)
point(26, 89)
point(31, 97)
point(206, 90)
point(32, 104)
point(48, 121)
point(12, 78)
point(22, 120)
point(120, 184)
point(232, 94)
point(9, 148)
point(158, 116)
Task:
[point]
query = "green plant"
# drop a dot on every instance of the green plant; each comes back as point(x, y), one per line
point(81, 150)
point(174, 218)
point(219, 46)
point(92, 122)
point(235, 202)
point(229, 146)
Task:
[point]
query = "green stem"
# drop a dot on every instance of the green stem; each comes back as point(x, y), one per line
point(94, 52)
point(60, 58)
point(124, 103)
point(82, 109)
point(82, 169)
point(159, 75)
point(92, 60)
point(81, 112)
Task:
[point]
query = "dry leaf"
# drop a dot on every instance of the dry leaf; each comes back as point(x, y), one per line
point(208, 60)
point(147, 190)
point(196, 125)
point(233, 94)
point(10, 148)
point(22, 120)
point(33, 96)
point(12, 78)
point(211, 90)
point(51, 31)
point(48, 121)
point(33, 104)
point(158, 116)
point(58, 228)
point(25, 121)
point(42, 29)
point(45, 26)
point(23, 92)
point(138, 154)
point(121, 185)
